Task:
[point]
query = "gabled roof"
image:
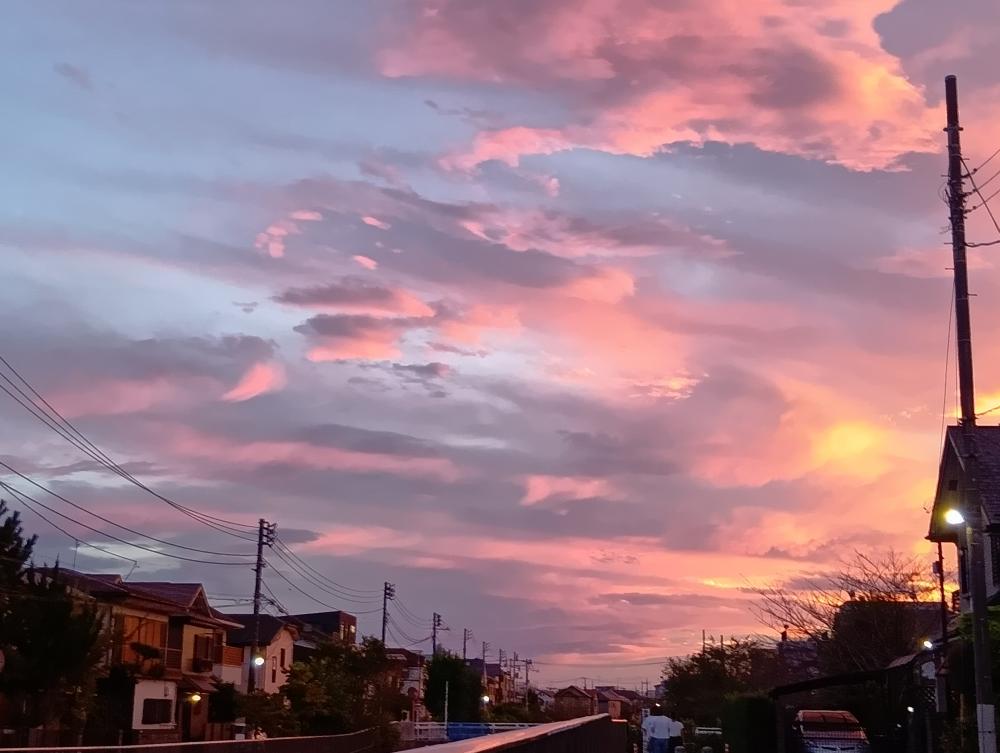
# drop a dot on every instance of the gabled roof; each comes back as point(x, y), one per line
point(610, 694)
point(951, 479)
point(171, 598)
point(270, 626)
point(572, 692)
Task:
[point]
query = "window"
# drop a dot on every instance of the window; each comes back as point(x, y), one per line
point(274, 669)
point(203, 645)
point(157, 711)
point(282, 658)
point(143, 631)
point(963, 572)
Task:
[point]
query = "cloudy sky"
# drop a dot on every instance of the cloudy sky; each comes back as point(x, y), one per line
point(571, 318)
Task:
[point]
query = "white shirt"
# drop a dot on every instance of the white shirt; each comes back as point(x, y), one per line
point(676, 729)
point(658, 726)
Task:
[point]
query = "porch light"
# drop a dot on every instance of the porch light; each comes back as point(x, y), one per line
point(194, 697)
point(486, 699)
point(910, 709)
point(953, 517)
point(258, 661)
point(928, 644)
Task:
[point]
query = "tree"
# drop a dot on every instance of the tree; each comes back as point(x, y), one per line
point(871, 611)
point(698, 686)
point(465, 688)
point(342, 688)
point(51, 642)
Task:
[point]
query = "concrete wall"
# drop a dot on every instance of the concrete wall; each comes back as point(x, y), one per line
point(158, 689)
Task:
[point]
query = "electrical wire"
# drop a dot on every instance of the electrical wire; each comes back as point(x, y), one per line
point(62, 426)
point(314, 598)
point(410, 617)
point(304, 574)
point(62, 530)
point(347, 590)
point(20, 494)
point(985, 201)
point(983, 164)
point(119, 525)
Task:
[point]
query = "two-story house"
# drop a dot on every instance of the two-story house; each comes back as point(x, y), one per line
point(949, 498)
point(167, 638)
point(275, 639)
point(410, 676)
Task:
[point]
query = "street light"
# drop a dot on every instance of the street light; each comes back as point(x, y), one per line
point(953, 517)
point(258, 661)
point(928, 644)
point(485, 699)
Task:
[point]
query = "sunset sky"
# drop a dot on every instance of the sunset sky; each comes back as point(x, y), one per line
point(572, 318)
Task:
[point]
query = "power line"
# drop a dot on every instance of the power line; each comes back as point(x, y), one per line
point(118, 525)
point(99, 532)
point(314, 598)
point(983, 164)
point(304, 574)
point(62, 530)
point(53, 419)
point(985, 203)
point(346, 590)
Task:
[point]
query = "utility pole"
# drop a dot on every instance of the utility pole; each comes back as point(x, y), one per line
point(446, 683)
point(466, 637)
point(486, 648)
point(527, 683)
point(265, 537)
point(971, 502)
point(436, 623)
point(388, 594)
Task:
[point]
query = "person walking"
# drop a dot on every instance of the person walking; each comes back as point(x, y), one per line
point(657, 727)
point(675, 739)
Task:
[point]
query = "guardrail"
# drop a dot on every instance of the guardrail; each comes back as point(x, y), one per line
point(589, 734)
point(438, 732)
point(354, 742)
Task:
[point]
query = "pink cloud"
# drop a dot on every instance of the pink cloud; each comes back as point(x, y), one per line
point(470, 326)
point(604, 285)
point(789, 87)
point(184, 442)
point(364, 261)
point(539, 488)
point(272, 240)
point(358, 296)
point(375, 222)
point(259, 379)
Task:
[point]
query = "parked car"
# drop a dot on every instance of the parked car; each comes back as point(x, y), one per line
point(829, 732)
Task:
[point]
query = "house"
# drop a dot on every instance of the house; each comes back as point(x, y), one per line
point(410, 677)
point(612, 702)
point(546, 698)
point(320, 626)
point(276, 643)
point(949, 496)
point(168, 639)
point(498, 684)
point(573, 702)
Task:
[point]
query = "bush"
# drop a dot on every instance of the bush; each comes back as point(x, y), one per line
point(749, 724)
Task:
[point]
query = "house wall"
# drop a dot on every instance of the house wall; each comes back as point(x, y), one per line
point(273, 675)
point(155, 689)
point(187, 645)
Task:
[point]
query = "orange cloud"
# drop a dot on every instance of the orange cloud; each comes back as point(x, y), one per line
point(261, 378)
point(540, 488)
point(364, 261)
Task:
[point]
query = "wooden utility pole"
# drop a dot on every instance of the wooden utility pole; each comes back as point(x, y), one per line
point(265, 537)
point(388, 594)
point(971, 502)
point(436, 625)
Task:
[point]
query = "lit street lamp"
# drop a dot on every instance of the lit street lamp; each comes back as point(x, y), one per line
point(953, 517)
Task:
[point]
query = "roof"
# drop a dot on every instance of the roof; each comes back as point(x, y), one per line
point(951, 474)
point(819, 717)
point(610, 694)
point(327, 622)
point(573, 692)
point(270, 626)
point(173, 598)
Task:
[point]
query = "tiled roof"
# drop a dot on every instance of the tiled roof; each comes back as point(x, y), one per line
point(270, 626)
point(988, 454)
point(572, 691)
point(179, 593)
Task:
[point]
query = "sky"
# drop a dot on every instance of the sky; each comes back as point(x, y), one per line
point(574, 319)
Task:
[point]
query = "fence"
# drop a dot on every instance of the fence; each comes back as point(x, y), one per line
point(437, 732)
point(355, 742)
point(591, 734)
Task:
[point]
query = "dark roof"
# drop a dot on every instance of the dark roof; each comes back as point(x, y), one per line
point(179, 593)
point(951, 471)
point(270, 626)
point(610, 694)
point(572, 691)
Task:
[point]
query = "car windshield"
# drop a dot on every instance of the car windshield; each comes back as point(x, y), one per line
point(832, 729)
